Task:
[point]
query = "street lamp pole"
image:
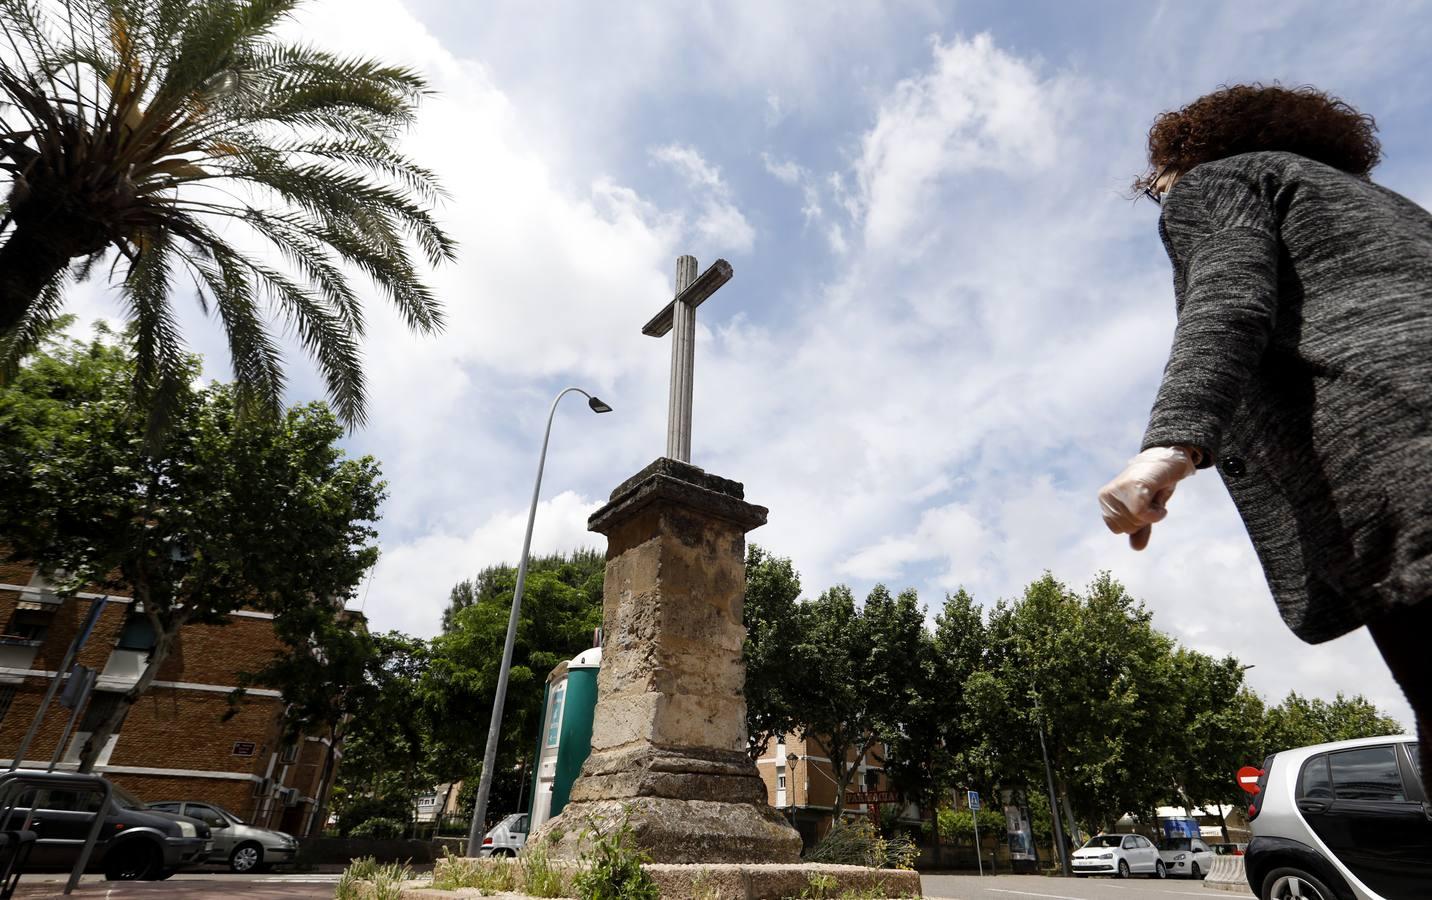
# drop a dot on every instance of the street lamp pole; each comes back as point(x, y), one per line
point(1061, 847)
point(489, 757)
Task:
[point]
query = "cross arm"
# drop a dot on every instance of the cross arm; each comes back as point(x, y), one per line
point(706, 284)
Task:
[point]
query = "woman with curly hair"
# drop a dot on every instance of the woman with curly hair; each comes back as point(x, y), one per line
point(1301, 364)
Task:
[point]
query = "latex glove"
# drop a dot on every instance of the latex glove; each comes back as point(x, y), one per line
point(1138, 497)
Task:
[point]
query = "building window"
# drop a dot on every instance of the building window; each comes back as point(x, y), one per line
point(780, 779)
point(7, 695)
point(30, 621)
point(138, 634)
point(554, 722)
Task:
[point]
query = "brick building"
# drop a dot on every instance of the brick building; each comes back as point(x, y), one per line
point(175, 743)
point(800, 783)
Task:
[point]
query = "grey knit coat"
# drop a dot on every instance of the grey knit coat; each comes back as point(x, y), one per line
point(1302, 367)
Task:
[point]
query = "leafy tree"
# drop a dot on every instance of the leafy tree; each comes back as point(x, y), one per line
point(1210, 730)
point(931, 751)
point(226, 513)
point(1095, 674)
point(1299, 721)
point(862, 674)
point(775, 674)
point(145, 129)
point(339, 680)
point(561, 608)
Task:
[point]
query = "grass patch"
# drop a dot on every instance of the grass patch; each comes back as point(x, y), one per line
point(365, 879)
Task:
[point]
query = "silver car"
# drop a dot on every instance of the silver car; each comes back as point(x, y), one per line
point(1349, 820)
point(245, 847)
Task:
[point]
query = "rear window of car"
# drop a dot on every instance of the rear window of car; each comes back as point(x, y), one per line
point(1315, 782)
point(1367, 773)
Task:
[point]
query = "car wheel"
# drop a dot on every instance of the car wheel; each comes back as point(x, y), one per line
point(1195, 873)
point(1159, 870)
point(1294, 884)
point(1123, 869)
point(137, 861)
point(247, 857)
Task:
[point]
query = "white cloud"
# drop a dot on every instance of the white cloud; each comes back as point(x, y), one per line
point(934, 403)
point(720, 224)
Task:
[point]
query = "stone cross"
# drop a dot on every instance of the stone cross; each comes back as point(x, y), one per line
point(679, 316)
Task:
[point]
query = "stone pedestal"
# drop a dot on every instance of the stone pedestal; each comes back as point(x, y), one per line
point(669, 736)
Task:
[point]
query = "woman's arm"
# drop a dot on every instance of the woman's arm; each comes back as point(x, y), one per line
point(1224, 231)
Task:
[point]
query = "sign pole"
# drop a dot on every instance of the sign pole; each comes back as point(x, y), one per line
point(974, 803)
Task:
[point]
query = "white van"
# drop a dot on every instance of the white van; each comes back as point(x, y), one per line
point(506, 837)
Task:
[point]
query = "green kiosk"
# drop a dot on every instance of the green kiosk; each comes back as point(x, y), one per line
point(566, 736)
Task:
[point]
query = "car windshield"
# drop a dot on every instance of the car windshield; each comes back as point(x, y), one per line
point(1178, 843)
point(125, 800)
point(228, 815)
point(1106, 840)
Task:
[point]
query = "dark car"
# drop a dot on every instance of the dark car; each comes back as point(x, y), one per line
point(134, 843)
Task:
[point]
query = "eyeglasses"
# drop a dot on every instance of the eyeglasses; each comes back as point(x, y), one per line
point(1152, 191)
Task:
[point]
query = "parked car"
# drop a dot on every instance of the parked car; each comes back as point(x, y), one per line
point(134, 844)
point(1186, 856)
point(506, 837)
point(1119, 855)
point(1350, 819)
point(244, 847)
point(1228, 848)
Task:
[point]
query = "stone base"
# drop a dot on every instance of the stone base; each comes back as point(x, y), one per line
point(691, 773)
point(677, 831)
point(741, 881)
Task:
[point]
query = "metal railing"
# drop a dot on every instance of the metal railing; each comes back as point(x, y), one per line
point(13, 785)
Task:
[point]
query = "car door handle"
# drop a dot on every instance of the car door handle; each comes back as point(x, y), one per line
point(1313, 806)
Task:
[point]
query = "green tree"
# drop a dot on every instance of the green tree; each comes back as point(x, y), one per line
point(147, 129)
point(358, 691)
point(561, 608)
point(265, 514)
point(1299, 721)
point(1092, 670)
point(1213, 727)
point(862, 675)
point(775, 674)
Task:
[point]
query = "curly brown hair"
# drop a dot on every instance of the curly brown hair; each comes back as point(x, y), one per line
point(1247, 117)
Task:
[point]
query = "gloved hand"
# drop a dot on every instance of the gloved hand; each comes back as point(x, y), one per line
point(1137, 498)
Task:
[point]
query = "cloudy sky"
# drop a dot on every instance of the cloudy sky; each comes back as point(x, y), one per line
point(947, 320)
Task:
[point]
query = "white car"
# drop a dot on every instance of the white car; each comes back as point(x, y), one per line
point(506, 837)
point(1186, 856)
point(1119, 855)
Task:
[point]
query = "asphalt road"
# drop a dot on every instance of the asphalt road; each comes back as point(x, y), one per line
point(1035, 887)
point(191, 886)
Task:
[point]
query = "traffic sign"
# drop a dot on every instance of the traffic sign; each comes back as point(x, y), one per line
point(974, 800)
point(1248, 779)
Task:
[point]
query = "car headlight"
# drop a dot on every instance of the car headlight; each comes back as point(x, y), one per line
point(287, 838)
point(1181, 856)
point(187, 830)
point(1106, 856)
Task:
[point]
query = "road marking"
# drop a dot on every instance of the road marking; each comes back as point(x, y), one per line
point(1129, 887)
point(1032, 894)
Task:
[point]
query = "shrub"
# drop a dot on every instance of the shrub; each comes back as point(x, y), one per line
point(378, 828)
point(613, 867)
point(364, 879)
point(490, 875)
point(539, 877)
point(858, 844)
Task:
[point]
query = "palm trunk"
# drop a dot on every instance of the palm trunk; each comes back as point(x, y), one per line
point(164, 641)
point(29, 260)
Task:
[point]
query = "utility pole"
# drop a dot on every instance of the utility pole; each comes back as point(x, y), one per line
point(1059, 845)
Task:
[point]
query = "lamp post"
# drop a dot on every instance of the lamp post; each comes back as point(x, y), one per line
point(489, 757)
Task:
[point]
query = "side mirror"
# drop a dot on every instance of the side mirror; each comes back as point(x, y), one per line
point(218, 823)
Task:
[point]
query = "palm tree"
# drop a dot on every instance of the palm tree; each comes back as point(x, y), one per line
point(139, 132)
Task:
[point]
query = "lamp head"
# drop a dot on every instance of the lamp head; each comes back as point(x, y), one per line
point(597, 405)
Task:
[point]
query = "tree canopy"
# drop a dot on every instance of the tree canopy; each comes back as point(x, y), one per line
point(227, 512)
point(146, 130)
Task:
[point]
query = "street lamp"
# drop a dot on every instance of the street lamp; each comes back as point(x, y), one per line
point(489, 757)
